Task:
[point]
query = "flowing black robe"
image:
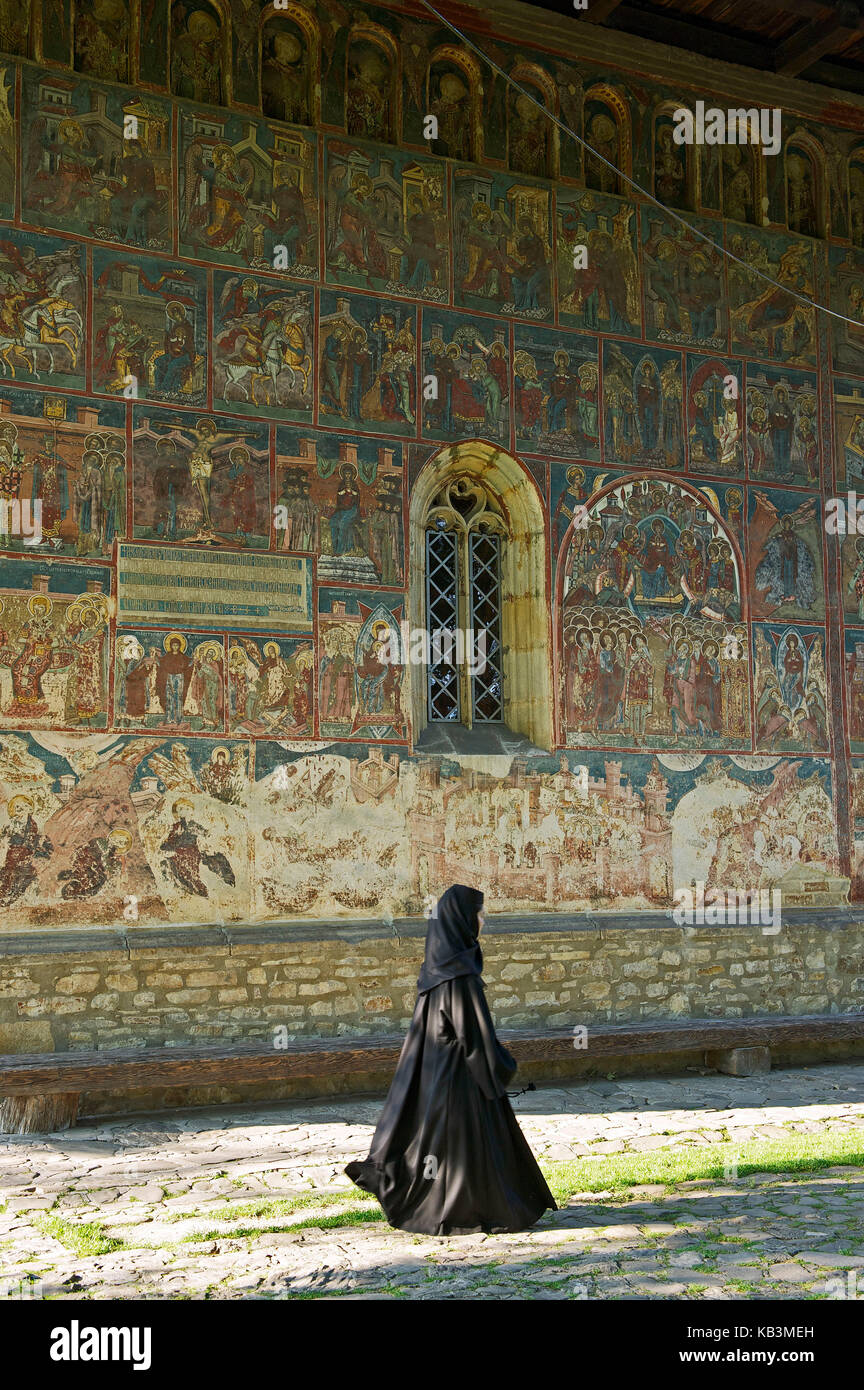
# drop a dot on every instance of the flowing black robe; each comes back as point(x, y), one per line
point(448, 1156)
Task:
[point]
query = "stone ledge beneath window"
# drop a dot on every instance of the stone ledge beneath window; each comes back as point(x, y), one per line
point(484, 740)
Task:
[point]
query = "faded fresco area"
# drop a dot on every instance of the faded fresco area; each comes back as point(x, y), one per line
point(137, 828)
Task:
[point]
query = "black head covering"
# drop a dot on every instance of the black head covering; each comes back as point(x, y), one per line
point(452, 947)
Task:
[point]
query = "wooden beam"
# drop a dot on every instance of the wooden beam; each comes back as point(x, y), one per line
point(62, 1073)
point(711, 41)
point(598, 11)
point(814, 40)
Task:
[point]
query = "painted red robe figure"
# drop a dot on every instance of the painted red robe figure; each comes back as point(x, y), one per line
point(28, 666)
point(94, 863)
point(243, 504)
point(86, 696)
point(24, 844)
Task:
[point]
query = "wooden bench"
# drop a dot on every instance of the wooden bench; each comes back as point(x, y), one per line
point(39, 1092)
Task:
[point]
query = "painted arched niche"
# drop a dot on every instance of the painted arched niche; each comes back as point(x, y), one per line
point(652, 635)
point(525, 619)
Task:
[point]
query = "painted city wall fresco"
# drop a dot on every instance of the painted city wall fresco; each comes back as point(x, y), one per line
point(247, 296)
point(177, 829)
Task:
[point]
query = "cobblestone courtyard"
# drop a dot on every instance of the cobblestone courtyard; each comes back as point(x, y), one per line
point(158, 1187)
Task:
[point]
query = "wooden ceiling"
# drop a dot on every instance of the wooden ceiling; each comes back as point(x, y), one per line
point(820, 41)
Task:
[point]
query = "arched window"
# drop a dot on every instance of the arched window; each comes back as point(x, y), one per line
point(532, 145)
point(371, 85)
point(674, 165)
point(478, 593)
point(200, 48)
point(454, 92)
point(607, 131)
point(805, 198)
point(289, 65)
point(464, 533)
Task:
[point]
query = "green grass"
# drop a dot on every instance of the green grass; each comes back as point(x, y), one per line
point(800, 1153)
point(83, 1238)
point(344, 1218)
point(269, 1206)
point(615, 1173)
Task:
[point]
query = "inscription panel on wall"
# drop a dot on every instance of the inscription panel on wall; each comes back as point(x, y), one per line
point(167, 584)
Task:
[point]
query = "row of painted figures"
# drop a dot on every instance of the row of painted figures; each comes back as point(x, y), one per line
point(362, 71)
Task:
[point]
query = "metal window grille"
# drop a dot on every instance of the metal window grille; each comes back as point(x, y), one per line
point(485, 595)
point(442, 614)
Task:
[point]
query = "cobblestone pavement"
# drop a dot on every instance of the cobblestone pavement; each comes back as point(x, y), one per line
point(157, 1182)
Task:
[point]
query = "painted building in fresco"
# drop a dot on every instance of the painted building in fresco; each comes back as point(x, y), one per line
point(230, 267)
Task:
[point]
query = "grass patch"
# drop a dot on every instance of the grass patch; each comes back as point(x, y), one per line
point(84, 1238)
point(269, 1206)
point(343, 1218)
point(800, 1153)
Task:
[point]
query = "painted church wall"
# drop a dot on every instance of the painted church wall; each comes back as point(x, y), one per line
point(230, 262)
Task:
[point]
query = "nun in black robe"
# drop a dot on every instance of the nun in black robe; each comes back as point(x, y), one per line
point(448, 1156)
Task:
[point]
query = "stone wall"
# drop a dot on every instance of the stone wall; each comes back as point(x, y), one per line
point(152, 989)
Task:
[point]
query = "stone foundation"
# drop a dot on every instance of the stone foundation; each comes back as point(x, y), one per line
point(163, 988)
point(168, 988)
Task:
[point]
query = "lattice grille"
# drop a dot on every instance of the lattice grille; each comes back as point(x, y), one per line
point(442, 613)
point(486, 692)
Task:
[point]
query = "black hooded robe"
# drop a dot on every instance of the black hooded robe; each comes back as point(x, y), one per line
point(448, 1156)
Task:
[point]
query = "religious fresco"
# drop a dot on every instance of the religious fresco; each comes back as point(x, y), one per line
point(856, 815)
point(54, 630)
point(387, 222)
point(784, 553)
point(847, 297)
point(206, 692)
point(852, 576)
point(96, 161)
point(69, 452)
point(270, 686)
point(642, 406)
point(467, 361)
point(685, 294)
point(7, 137)
point(715, 415)
point(287, 58)
point(43, 335)
point(363, 831)
point(502, 244)
point(556, 393)
point(569, 489)
point(149, 335)
point(653, 649)
point(854, 673)
point(768, 321)
point(341, 499)
point(169, 680)
point(361, 665)
point(604, 294)
point(367, 375)
point(782, 425)
point(791, 692)
point(262, 345)
point(200, 480)
point(849, 432)
point(248, 194)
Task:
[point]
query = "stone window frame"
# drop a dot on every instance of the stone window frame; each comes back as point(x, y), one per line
point(514, 496)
